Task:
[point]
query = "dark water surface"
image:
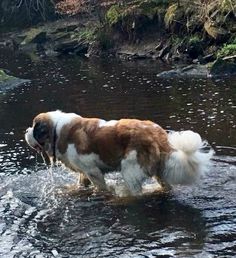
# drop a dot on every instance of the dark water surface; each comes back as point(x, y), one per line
point(35, 221)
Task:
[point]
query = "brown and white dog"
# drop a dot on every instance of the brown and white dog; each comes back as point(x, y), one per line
point(138, 149)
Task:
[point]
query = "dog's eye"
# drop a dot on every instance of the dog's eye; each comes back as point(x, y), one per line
point(41, 132)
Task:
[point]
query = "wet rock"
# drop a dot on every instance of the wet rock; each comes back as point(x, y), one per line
point(60, 36)
point(66, 46)
point(165, 50)
point(226, 66)
point(204, 59)
point(53, 39)
point(67, 28)
point(71, 46)
point(29, 48)
point(207, 59)
point(35, 35)
point(131, 54)
point(8, 82)
point(94, 49)
point(141, 56)
point(82, 48)
point(125, 54)
point(159, 46)
point(134, 55)
point(187, 71)
point(51, 53)
point(40, 38)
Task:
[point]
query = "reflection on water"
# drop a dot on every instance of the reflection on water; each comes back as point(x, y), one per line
point(91, 225)
point(37, 221)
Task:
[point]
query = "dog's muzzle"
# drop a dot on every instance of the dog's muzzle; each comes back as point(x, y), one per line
point(29, 137)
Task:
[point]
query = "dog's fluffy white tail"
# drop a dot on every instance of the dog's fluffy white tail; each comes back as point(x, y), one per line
point(188, 160)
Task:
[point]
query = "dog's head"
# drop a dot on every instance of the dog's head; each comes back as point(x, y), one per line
point(46, 128)
point(40, 135)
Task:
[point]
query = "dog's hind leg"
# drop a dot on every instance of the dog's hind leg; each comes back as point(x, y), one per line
point(132, 173)
point(165, 186)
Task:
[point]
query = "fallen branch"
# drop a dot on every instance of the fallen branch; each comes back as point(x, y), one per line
point(229, 57)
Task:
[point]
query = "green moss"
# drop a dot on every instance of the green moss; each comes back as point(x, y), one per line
point(227, 6)
point(186, 41)
point(171, 14)
point(210, 65)
point(151, 7)
point(88, 34)
point(227, 50)
point(175, 40)
point(114, 14)
point(134, 9)
point(194, 39)
point(232, 39)
point(30, 35)
point(4, 77)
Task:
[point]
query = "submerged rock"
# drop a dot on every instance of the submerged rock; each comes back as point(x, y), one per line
point(187, 71)
point(225, 66)
point(8, 82)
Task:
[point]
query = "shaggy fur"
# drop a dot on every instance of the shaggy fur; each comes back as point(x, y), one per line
point(138, 149)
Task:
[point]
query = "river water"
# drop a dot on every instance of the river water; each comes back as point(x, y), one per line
point(38, 220)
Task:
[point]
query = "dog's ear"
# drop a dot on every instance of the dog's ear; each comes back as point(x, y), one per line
point(41, 132)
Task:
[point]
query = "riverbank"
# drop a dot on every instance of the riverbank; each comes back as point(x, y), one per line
point(180, 33)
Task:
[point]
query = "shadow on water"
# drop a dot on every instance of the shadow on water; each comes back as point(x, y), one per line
point(153, 227)
point(36, 221)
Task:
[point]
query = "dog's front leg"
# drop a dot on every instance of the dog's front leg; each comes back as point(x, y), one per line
point(97, 178)
point(83, 180)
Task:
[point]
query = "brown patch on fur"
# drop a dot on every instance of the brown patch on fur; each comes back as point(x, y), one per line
point(108, 145)
point(149, 140)
point(45, 118)
point(77, 132)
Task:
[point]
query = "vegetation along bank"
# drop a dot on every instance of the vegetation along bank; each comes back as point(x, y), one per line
point(201, 32)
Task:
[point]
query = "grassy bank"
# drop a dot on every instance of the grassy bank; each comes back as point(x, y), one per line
point(181, 31)
point(192, 28)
